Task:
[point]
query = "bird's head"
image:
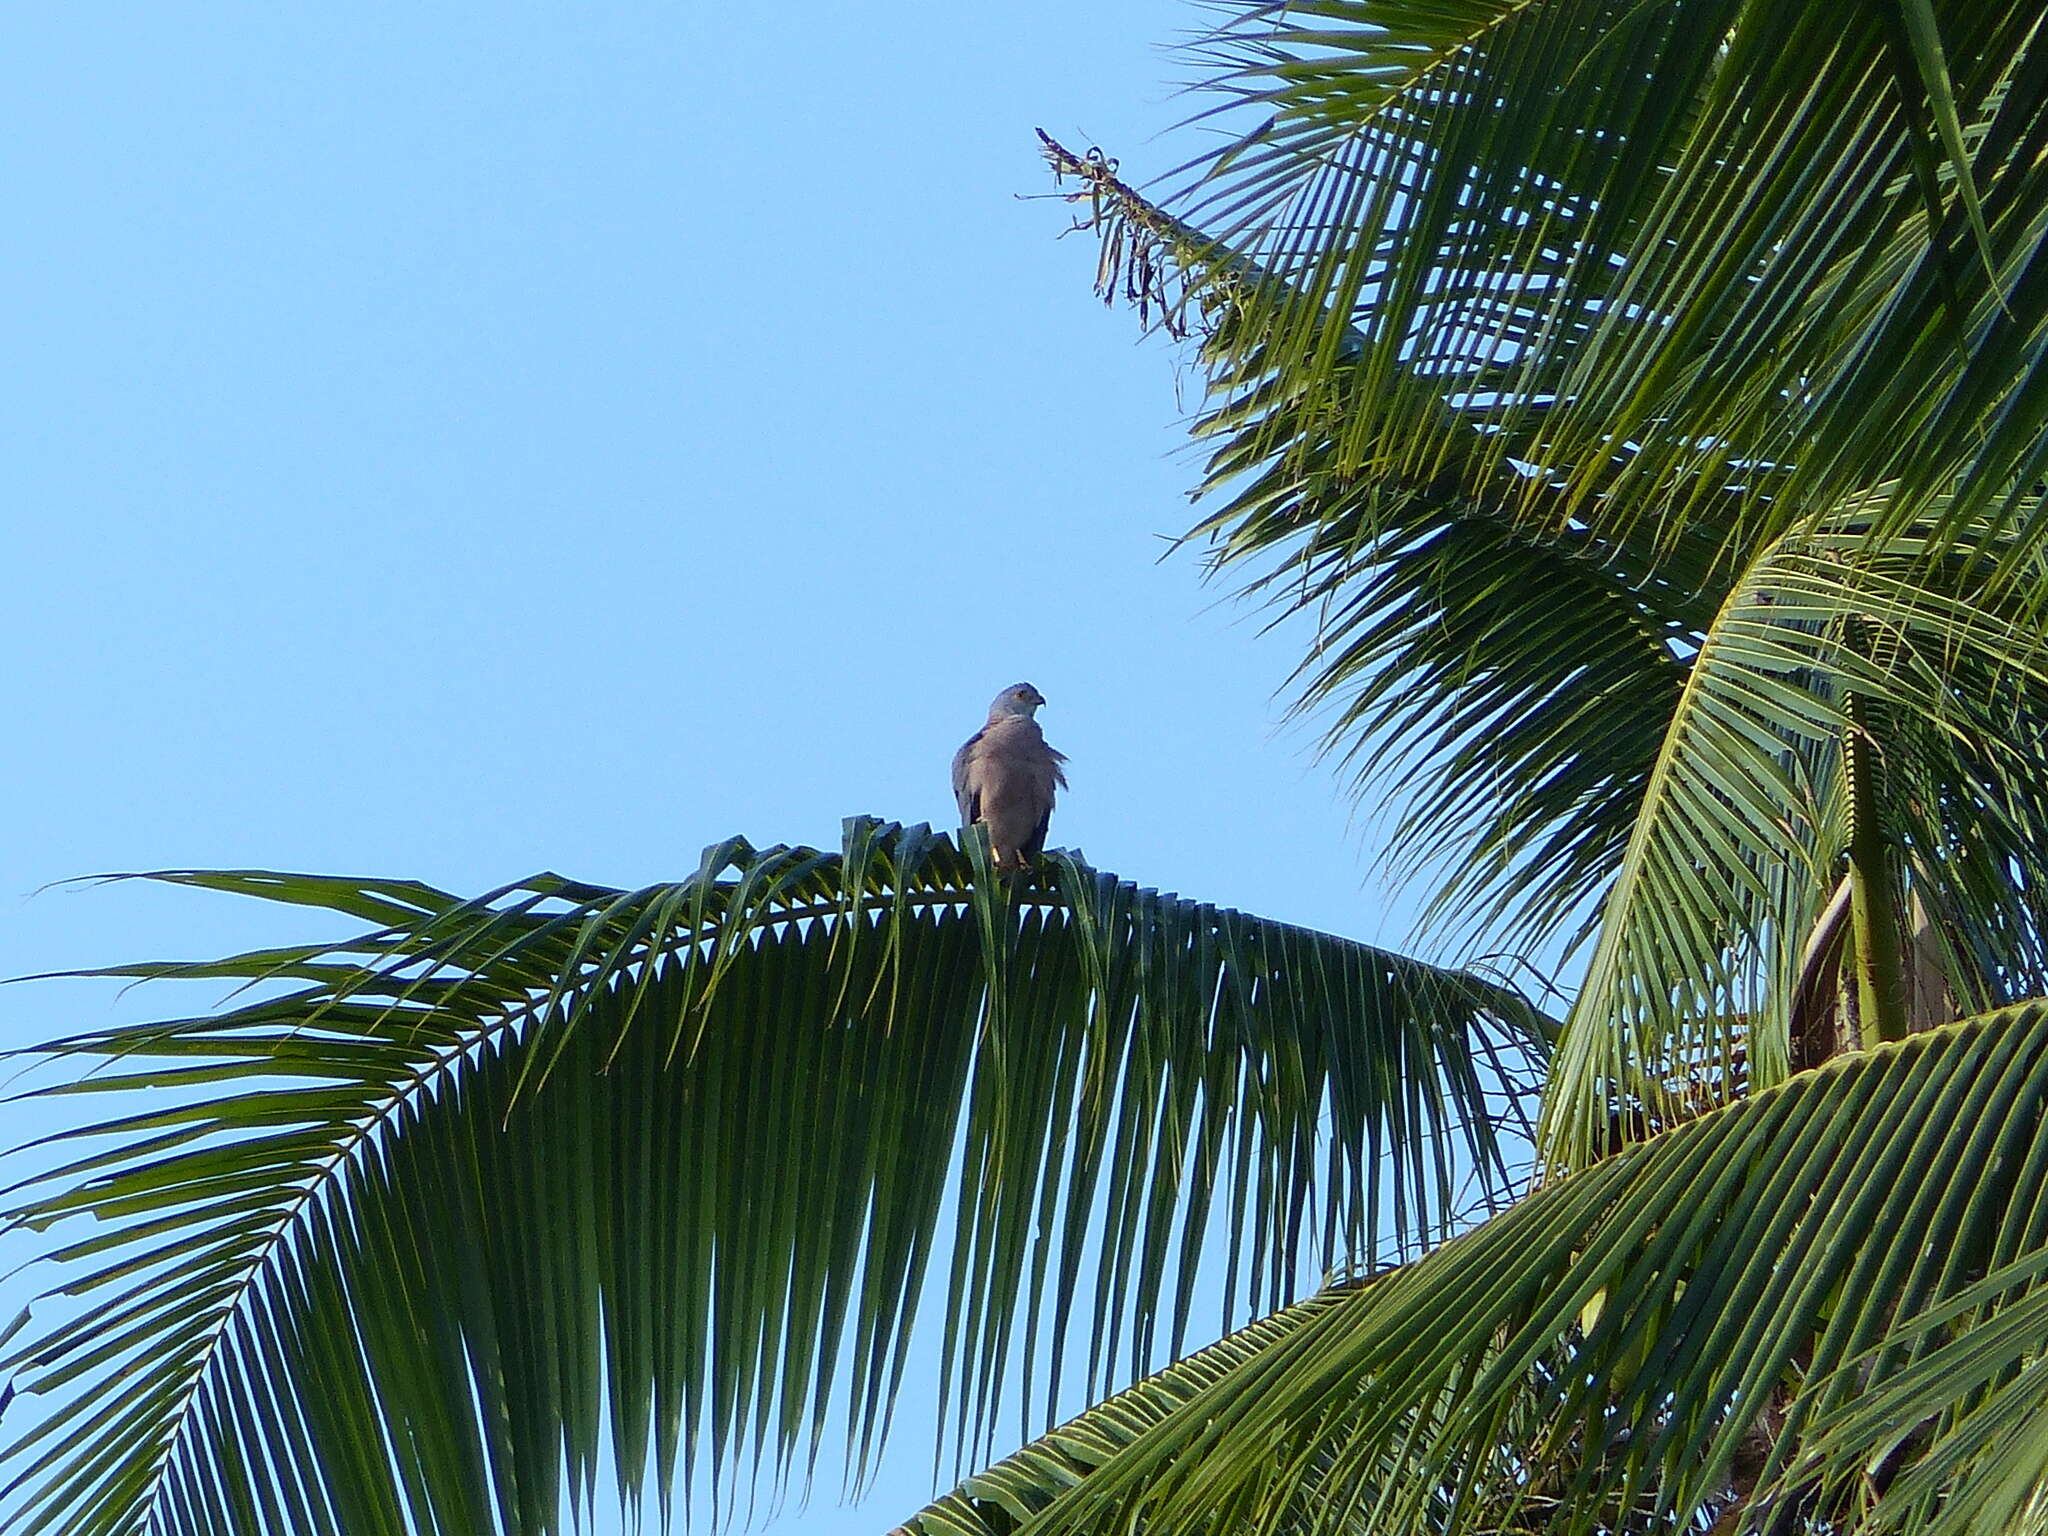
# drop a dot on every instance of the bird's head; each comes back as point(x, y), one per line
point(1017, 699)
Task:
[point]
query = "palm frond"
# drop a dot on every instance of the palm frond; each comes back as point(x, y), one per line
point(1512, 681)
point(1635, 726)
point(1635, 290)
point(998, 1501)
point(1733, 1315)
point(399, 1242)
point(1708, 258)
point(1513, 687)
point(1969, 1409)
point(1736, 847)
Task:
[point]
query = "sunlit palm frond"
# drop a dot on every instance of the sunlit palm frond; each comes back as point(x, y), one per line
point(1513, 687)
point(1710, 258)
point(394, 1248)
point(1512, 681)
point(1959, 1430)
point(1638, 287)
point(1737, 1312)
point(1739, 840)
point(999, 1500)
point(1648, 719)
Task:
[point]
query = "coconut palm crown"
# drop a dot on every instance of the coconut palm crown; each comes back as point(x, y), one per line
point(1641, 410)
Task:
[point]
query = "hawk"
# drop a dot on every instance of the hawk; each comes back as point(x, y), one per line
point(1004, 776)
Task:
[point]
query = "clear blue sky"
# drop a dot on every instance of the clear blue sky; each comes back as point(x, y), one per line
point(453, 441)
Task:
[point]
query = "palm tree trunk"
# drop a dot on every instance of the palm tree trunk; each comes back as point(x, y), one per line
point(1873, 896)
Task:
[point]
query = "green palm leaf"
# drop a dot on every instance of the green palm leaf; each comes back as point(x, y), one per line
point(1707, 258)
point(1512, 681)
point(1001, 1499)
point(1640, 733)
point(1734, 1313)
point(1534, 322)
point(1737, 842)
point(500, 1173)
point(1970, 1407)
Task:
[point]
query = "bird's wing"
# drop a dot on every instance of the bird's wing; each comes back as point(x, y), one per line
point(1034, 845)
point(1058, 777)
point(964, 793)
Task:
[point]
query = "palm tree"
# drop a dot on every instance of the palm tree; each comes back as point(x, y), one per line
point(1643, 403)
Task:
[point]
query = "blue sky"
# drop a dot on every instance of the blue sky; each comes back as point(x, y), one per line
point(454, 441)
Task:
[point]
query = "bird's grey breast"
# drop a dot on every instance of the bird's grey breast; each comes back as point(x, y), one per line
point(1008, 758)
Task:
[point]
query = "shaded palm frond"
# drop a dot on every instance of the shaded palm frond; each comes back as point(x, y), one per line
point(400, 1243)
point(1956, 1435)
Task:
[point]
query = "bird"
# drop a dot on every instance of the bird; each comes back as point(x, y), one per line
point(1004, 776)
